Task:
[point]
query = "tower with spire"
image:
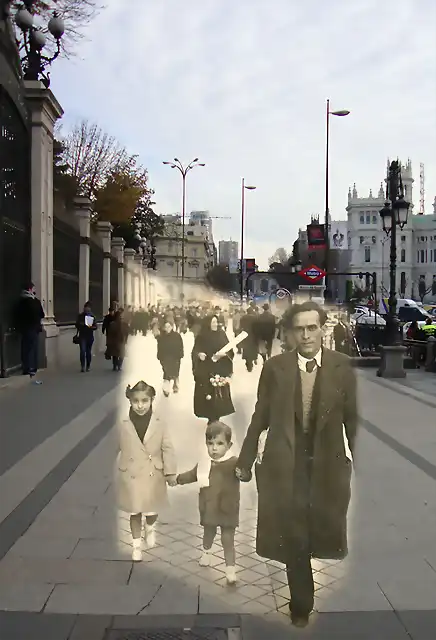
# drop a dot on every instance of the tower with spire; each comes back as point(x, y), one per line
point(369, 246)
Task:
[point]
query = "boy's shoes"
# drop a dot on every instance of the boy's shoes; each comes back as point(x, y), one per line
point(204, 560)
point(137, 550)
point(150, 535)
point(231, 575)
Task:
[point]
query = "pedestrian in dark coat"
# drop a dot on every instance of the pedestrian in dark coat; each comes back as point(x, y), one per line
point(169, 353)
point(28, 316)
point(209, 401)
point(219, 495)
point(265, 328)
point(116, 339)
point(250, 344)
point(305, 397)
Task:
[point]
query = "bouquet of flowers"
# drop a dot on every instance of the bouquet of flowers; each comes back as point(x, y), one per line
point(218, 382)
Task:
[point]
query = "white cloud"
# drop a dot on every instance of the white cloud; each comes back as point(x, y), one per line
point(243, 85)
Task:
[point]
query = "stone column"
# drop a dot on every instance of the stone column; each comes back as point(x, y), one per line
point(45, 110)
point(139, 281)
point(144, 293)
point(118, 245)
point(129, 261)
point(83, 212)
point(104, 230)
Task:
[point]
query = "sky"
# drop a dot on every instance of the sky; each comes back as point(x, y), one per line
point(243, 86)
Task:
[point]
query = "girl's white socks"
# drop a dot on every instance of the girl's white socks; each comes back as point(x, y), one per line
point(150, 535)
point(137, 549)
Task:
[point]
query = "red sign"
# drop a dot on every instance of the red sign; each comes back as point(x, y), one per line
point(316, 236)
point(313, 273)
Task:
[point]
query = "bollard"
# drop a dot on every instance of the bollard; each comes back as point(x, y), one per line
point(431, 352)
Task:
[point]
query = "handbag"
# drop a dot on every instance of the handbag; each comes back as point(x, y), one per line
point(76, 339)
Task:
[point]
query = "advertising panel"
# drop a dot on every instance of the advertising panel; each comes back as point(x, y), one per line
point(338, 235)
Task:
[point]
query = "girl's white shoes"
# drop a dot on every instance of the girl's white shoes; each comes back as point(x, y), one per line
point(150, 535)
point(230, 571)
point(231, 575)
point(137, 549)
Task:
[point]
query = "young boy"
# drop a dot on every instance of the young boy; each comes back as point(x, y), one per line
point(219, 496)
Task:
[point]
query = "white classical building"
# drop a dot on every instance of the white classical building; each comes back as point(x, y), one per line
point(370, 247)
point(199, 249)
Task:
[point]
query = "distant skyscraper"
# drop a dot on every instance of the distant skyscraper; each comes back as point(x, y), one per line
point(228, 251)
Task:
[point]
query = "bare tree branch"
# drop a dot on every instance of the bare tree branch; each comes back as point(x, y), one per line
point(92, 156)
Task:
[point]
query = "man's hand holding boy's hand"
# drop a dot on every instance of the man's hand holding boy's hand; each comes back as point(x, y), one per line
point(171, 480)
point(243, 475)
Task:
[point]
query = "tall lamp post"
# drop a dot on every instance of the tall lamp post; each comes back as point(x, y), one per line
point(34, 40)
point(340, 113)
point(394, 215)
point(184, 170)
point(249, 188)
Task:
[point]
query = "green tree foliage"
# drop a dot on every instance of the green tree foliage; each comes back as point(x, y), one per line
point(63, 182)
point(220, 279)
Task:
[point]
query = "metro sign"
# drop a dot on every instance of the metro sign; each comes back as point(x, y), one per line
point(313, 273)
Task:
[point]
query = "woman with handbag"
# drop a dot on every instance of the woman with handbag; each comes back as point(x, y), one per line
point(86, 325)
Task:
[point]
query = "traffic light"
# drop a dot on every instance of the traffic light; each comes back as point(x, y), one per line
point(250, 265)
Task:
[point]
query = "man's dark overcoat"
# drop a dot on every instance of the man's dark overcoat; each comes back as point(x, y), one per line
point(279, 408)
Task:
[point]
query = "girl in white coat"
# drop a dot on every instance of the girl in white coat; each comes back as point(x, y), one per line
point(145, 464)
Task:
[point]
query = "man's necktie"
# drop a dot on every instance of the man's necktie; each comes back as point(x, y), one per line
point(310, 366)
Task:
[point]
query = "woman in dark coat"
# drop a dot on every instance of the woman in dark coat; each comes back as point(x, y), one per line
point(211, 402)
point(169, 354)
point(116, 337)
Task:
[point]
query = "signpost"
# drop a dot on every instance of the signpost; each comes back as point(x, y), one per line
point(282, 293)
point(313, 274)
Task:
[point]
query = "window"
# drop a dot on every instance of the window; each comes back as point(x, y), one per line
point(403, 283)
point(374, 219)
point(422, 256)
point(368, 218)
point(362, 219)
point(361, 239)
point(367, 254)
point(403, 255)
point(194, 253)
point(374, 239)
point(403, 238)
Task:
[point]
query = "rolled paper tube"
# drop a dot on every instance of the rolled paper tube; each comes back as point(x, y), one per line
point(232, 344)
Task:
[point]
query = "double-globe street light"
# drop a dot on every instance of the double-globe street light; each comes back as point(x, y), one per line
point(340, 113)
point(241, 266)
point(34, 40)
point(394, 214)
point(184, 170)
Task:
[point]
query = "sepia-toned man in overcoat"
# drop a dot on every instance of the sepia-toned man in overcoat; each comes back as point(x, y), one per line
point(306, 400)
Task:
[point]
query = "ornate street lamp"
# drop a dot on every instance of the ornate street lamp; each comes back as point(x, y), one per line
point(394, 214)
point(34, 39)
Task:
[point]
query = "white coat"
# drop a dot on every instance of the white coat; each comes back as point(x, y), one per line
point(141, 467)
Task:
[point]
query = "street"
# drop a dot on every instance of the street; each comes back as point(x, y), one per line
point(65, 549)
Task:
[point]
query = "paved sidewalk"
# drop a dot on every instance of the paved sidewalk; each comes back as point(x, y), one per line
point(75, 559)
point(419, 384)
